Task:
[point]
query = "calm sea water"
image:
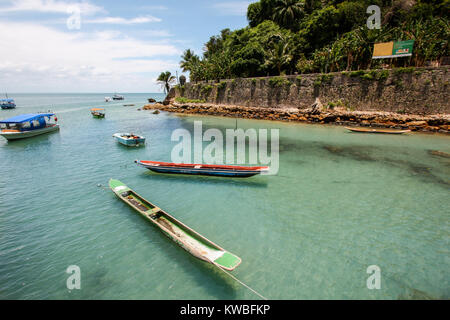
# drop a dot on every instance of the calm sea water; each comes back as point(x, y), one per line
point(340, 203)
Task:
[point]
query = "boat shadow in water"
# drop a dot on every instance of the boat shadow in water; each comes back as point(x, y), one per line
point(203, 273)
point(211, 180)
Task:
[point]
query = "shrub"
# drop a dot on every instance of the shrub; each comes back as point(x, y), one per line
point(278, 82)
point(399, 71)
point(221, 85)
point(358, 73)
point(186, 100)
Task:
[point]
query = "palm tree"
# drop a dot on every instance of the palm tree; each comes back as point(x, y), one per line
point(287, 13)
point(188, 60)
point(165, 79)
point(279, 56)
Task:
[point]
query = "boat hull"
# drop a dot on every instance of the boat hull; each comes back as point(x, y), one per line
point(8, 106)
point(380, 131)
point(28, 134)
point(185, 237)
point(206, 170)
point(130, 142)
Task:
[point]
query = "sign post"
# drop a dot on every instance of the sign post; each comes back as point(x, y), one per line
point(393, 49)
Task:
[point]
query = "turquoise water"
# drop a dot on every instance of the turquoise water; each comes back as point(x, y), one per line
point(340, 203)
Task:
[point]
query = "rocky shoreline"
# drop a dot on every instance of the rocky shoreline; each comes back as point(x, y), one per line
point(376, 119)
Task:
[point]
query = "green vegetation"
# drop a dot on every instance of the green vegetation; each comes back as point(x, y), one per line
point(279, 82)
point(166, 79)
point(398, 71)
point(205, 90)
point(321, 36)
point(221, 85)
point(186, 100)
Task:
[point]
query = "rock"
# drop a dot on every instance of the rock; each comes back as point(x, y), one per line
point(156, 112)
point(417, 123)
point(151, 100)
point(317, 106)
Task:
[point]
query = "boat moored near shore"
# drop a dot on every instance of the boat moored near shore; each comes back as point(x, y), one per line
point(372, 130)
point(118, 97)
point(202, 169)
point(7, 103)
point(129, 139)
point(98, 112)
point(28, 125)
point(190, 240)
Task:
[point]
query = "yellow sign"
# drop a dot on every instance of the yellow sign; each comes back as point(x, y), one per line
point(383, 49)
point(393, 49)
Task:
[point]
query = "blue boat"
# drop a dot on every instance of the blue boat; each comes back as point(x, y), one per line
point(129, 139)
point(28, 125)
point(7, 103)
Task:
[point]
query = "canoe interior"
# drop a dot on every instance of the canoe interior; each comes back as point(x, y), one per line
point(187, 238)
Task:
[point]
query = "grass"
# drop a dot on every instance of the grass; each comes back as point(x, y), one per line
point(186, 100)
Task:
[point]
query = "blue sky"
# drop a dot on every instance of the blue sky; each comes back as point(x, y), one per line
point(114, 45)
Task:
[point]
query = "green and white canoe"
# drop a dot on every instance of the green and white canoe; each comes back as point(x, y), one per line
point(187, 238)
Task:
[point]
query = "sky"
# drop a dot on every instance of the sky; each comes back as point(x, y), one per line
point(104, 46)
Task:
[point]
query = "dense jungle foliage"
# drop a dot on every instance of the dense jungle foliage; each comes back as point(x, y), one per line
point(305, 36)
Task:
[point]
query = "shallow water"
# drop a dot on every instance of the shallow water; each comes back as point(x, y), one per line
point(340, 203)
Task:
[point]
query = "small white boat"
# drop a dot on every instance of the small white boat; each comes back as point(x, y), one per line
point(129, 139)
point(27, 125)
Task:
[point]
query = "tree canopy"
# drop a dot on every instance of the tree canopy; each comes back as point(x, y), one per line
point(287, 36)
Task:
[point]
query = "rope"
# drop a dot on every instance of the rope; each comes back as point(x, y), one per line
point(229, 274)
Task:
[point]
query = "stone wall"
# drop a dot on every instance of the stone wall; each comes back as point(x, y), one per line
point(402, 90)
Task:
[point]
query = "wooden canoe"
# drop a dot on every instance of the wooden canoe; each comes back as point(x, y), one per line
point(188, 239)
point(202, 169)
point(372, 130)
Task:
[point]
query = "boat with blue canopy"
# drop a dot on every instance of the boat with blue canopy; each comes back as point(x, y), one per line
point(28, 125)
point(7, 103)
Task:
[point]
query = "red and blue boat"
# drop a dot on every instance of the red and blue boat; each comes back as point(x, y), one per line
point(202, 169)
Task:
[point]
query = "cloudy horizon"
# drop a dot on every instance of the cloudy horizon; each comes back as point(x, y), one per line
point(111, 48)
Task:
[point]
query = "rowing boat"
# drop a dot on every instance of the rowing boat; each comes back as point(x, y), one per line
point(372, 130)
point(202, 169)
point(188, 239)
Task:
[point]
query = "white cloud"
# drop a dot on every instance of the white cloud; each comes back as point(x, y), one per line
point(123, 21)
point(235, 8)
point(54, 60)
point(51, 6)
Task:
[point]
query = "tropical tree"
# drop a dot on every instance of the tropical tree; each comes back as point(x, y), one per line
point(279, 56)
point(166, 79)
point(188, 59)
point(287, 13)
